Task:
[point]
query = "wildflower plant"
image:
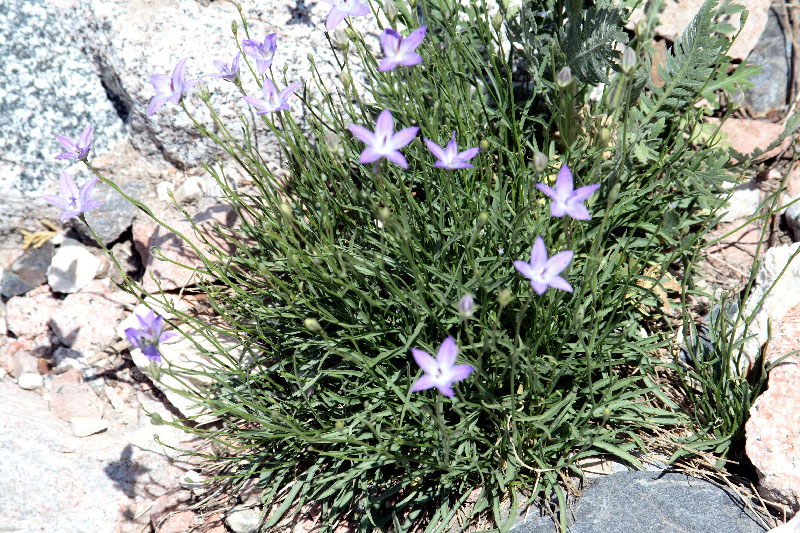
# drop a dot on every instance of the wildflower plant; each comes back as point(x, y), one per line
point(347, 274)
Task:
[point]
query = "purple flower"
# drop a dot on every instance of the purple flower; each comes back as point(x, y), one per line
point(262, 52)
point(544, 272)
point(384, 142)
point(441, 372)
point(226, 72)
point(450, 157)
point(72, 201)
point(272, 101)
point(564, 200)
point(78, 149)
point(149, 336)
point(341, 8)
point(170, 89)
point(466, 305)
point(400, 51)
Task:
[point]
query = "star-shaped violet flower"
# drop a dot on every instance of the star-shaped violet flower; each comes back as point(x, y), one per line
point(341, 8)
point(544, 272)
point(76, 149)
point(226, 72)
point(399, 50)
point(170, 89)
point(565, 200)
point(273, 100)
point(149, 336)
point(262, 52)
point(384, 142)
point(441, 372)
point(73, 201)
point(450, 157)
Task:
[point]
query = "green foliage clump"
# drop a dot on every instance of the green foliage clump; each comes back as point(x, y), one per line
point(341, 268)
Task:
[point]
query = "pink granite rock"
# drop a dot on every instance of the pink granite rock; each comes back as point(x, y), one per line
point(773, 430)
point(167, 503)
point(70, 399)
point(87, 320)
point(29, 315)
point(147, 235)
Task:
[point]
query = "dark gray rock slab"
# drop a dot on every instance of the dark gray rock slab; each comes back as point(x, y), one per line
point(773, 54)
point(27, 272)
point(652, 502)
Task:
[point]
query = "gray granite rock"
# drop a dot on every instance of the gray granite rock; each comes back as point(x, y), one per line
point(27, 272)
point(657, 502)
point(773, 54)
point(50, 87)
point(112, 218)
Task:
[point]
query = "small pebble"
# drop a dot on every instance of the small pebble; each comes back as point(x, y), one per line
point(243, 520)
point(30, 381)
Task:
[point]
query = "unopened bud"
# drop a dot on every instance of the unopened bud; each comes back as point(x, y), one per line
point(350, 33)
point(605, 137)
point(737, 98)
point(505, 297)
point(310, 58)
point(629, 60)
point(484, 145)
point(340, 40)
point(390, 10)
point(466, 305)
point(286, 210)
point(347, 79)
point(384, 214)
point(539, 161)
point(641, 28)
point(564, 77)
point(497, 21)
point(239, 7)
point(412, 3)
point(312, 324)
point(338, 426)
point(332, 142)
point(483, 218)
point(234, 27)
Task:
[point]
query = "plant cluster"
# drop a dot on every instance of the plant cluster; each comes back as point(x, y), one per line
point(347, 274)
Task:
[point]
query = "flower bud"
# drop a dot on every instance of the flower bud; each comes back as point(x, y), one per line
point(332, 142)
point(564, 77)
point(234, 28)
point(497, 21)
point(466, 305)
point(737, 98)
point(347, 79)
point(483, 218)
point(384, 214)
point(605, 137)
point(312, 324)
point(484, 145)
point(340, 40)
point(539, 161)
point(350, 33)
point(641, 28)
point(338, 426)
point(390, 10)
point(310, 58)
point(505, 297)
point(412, 3)
point(629, 60)
point(286, 210)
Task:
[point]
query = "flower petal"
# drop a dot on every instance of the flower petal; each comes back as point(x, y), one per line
point(564, 181)
point(446, 390)
point(538, 286)
point(397, 158)
point(363, 134)
point(557, 282)
point(177, 74)
point(151, 352)
point(423, 383)
point(68, 145)
point(538, 253)
point(403, 137)
point(547, 190)
point(435, 149)
point(334, 18)
point(390, 40)
point(57, 201)
point(524, 268)
point(86, 137)
point(360, 9)
point(157, 103)
point(582, 193)
point(414, 39)
point(132, 334)
point(559, 262)
point(288, 91)
point(86, 189)
point(425, 361)
point(460, 372)
point(446, 356)
point(468, 154)
point(410, 59)
point(160, 83)
point(577, 211)
point(384, 126)
point(369, 155)
point(68, 188)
